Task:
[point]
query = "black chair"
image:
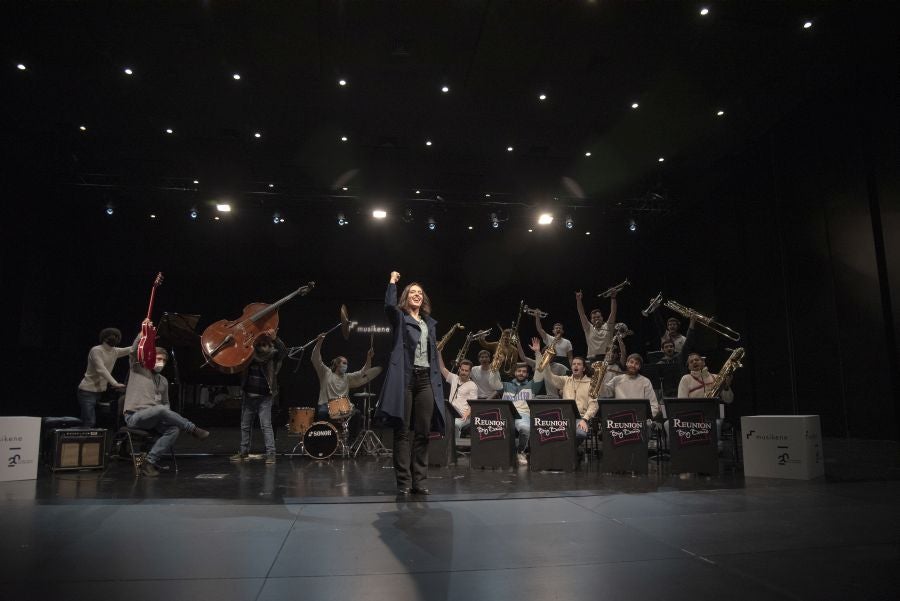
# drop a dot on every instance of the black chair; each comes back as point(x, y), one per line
point(129, 436)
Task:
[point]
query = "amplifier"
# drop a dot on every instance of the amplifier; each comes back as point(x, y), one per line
point(78, 448)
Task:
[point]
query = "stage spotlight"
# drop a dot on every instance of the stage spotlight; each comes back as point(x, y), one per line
point(807, 25)
point(632, 225)
point(223, 207)
point(271, 186)
point(427, 142)
point(21, 67)
point(379, 214)
point(509, 149)
point(196, 181)
point(341, 220)
point(343, 138)
point(634, 105)
point(276, 218)
point(169, 130)
point(432, 225)
point(257, 135)
point(720, 113)
point(193, 213)
point(495, 223)
point(418, 191)
point(152, 215)
point(570, 223)
point(445, 89)
point(128, 71)
point(82, 127)
point(408, 216)
point(109, 209)
point(545, 219)
point(542, 97)
point(661, 159)
point(236, 76)
point(587, 154)
point(342, 82)
point(345, 188)
point(704, 11)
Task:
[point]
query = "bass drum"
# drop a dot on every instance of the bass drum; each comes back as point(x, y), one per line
point(321, 440)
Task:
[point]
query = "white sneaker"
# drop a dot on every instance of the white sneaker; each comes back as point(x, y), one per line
point(523, 460)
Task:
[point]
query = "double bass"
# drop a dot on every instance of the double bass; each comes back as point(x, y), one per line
point(228, 344)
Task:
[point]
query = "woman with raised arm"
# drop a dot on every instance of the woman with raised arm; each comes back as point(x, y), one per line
point(412, 394)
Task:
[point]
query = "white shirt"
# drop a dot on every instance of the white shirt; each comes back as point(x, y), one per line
point(678, 341)
point(461, 393)
point(598, 339)
point(695, 384)
point(101, 360)
point(487, 381)
point(563, 347)
point(625, 386)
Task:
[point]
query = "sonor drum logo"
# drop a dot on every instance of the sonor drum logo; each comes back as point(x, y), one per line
point(490, 425)
point(624, 428)
point(551, 426)
point(321, 433)
point(692, 428)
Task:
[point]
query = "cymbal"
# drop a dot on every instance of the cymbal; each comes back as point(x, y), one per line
point(345, 322)
point(363, 394)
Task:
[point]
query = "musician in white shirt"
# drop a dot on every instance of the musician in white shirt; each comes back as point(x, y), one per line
point(563, 347)
point(632, 385)
point(487, 381)
point(597, 333)
point(462, 390)
point(695, 384)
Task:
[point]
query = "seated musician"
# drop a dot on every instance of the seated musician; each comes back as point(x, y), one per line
point(695, 384)
point(147, 406)
point(550, 391)
point(334, 381)
point(520, 390)
point(462, 390)
point(487, 381)
point(577, 387)
point(259, 387)
point(632, 385)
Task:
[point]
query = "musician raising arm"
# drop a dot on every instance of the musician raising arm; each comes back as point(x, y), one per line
point(577, 386)
point(334, 381)
point(98, 375)
point(563, 347)
point(462, 390)
point(558, 368)
point(597, 332)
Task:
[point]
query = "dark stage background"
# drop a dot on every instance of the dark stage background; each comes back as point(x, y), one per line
point(790, 237)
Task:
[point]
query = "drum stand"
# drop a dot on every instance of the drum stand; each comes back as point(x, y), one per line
point(367, 441)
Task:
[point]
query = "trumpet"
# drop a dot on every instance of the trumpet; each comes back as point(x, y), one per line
point(535, 312)
point(655, 302)
point(615, 289)
point(709, 322)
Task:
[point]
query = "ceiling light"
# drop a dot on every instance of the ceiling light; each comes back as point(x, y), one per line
point(223, 207)
point(495, 223)
point(634, 105)
point(152, 215)
point(418, 191)
point(570, 223)
point(720, 113)
point(193, 213)
point(82, 128)
point(257, 135)
point(587, 233)
point(807, 25)
point(545, 219)
point(704, 11)
point(341, 220)
point(342, 82)
point(276, 218)
point(432, 224)
point(587, 154)
point(379, 213)
point(471, 228)
point(632, 225)
point(271, 185)
point(128, 71)
point(427, 142)
point(445, 89)
point(169, 130)
point(343, 138)
point(236, 76)
point(196, 181)
point(216, 217)
point(487, 195)
point(509, 149)
point(109, 209)
point(542, 97)
point(21, 67)
point(530, 230)
point(345, 188)
point(661, 159)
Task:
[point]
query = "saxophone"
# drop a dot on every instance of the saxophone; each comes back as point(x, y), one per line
point(601, 367)
point(507, 351)
point(443, 341)
point(465, 347)
point(730, 366)
point(549, 353)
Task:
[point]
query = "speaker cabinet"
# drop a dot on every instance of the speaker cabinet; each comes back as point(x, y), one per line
point(79, 449)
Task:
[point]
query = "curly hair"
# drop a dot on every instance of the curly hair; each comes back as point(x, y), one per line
point(107, 332)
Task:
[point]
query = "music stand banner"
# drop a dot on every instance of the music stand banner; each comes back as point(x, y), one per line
point(552, 439)
point(693, 439)
point(493, 431)
point(624, 434)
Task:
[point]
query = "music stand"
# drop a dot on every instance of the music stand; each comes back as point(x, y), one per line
point(177, 329)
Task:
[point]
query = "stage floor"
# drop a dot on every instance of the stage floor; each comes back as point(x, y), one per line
point(303, 529)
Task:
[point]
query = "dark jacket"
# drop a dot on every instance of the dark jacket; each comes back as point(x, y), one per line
point(406, 334)
point(271, 367)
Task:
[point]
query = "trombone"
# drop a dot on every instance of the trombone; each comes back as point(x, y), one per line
point(709, 322)
point(615, 289)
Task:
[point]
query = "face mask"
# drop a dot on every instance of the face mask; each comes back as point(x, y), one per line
point(159, 366)
point(342, 369)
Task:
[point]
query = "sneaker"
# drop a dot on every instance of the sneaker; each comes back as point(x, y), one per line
point(523, 460)
point(237, 457)
point(200, 433)
point(149, 469)
point(270, 458)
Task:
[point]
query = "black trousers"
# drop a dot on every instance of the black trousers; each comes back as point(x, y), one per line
point(411, 465)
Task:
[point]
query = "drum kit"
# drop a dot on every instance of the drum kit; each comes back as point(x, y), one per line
point(322, 439)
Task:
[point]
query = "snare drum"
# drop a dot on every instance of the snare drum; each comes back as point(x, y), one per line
point(320, 440)
point(340, 409)
point(300, 419)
